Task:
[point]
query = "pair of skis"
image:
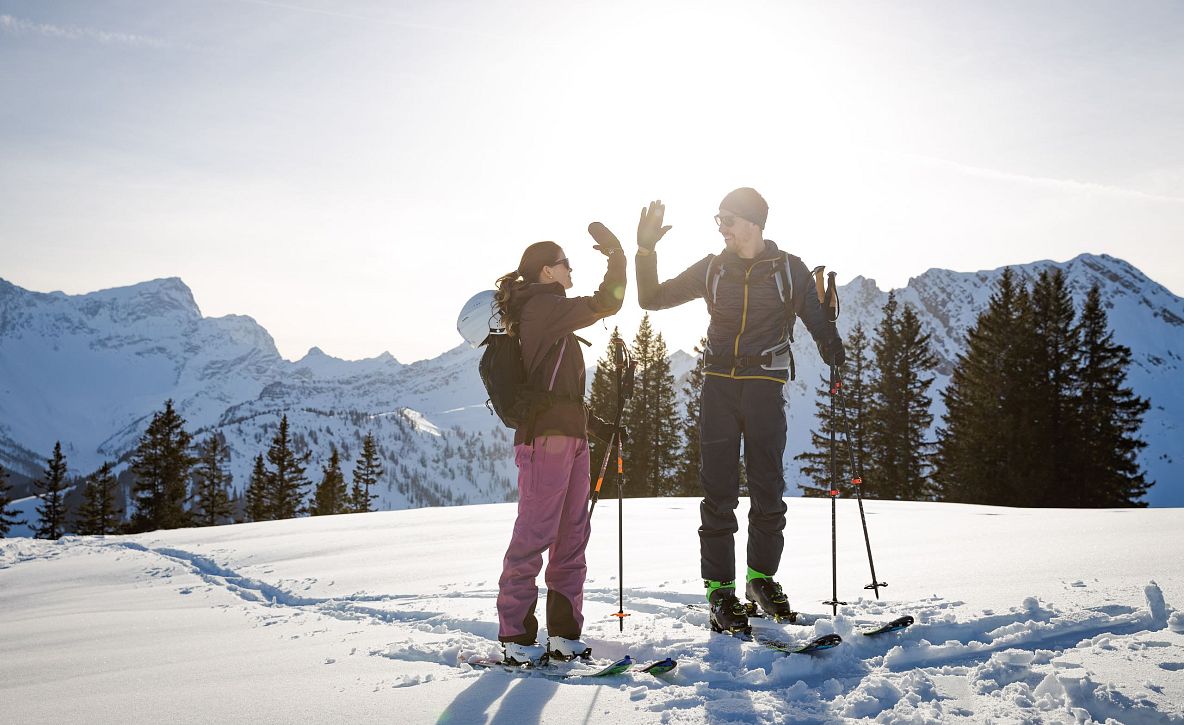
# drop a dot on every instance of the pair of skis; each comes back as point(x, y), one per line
point(818, 644)
point(825, 642)
point(557, 672)
point(798, 618)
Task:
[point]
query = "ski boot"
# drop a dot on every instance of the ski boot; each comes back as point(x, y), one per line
point(519, 655)
point(565, 650)
point(765, 593)
point(727, 613)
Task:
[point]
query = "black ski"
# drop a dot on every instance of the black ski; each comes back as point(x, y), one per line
point(555, 671)
point(546, 669)
point(660, 667)
point(894, 626)
point(748, 634)
point(825, 642)
point(804, 619)
point(807, 619)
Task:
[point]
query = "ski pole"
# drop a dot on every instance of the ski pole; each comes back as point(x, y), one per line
point(620, 355)
point(834, 470)
point(857, 481)
point(626, 392)
point(832, 295)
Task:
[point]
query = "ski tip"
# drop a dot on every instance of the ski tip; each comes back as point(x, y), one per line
point(894, 626)
point(826, 641)
point(660, 667)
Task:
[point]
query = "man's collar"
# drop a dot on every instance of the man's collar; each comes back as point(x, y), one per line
point(770, 252)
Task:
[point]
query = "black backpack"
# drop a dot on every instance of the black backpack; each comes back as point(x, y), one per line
point(511, 396)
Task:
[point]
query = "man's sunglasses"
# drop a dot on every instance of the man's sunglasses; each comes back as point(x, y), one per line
point(724, 221)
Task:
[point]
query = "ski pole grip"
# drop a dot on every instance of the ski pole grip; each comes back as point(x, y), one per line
point(832, 296)
point(820, 283)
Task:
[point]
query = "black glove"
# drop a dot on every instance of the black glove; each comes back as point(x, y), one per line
point(606, 242)
point(833, 353)
point(649, 227)
point(603, 430)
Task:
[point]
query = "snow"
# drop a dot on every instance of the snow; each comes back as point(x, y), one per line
point(1022, 616)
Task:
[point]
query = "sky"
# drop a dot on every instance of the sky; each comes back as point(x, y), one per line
point(349, 173)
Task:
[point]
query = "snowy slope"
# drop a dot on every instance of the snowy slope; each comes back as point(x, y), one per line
point(91, 369)
point(1022, 616)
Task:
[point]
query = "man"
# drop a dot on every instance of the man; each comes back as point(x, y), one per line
point(754, 292)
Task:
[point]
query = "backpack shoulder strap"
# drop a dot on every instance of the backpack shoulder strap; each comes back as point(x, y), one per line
point(711, 282)
point(784, 276)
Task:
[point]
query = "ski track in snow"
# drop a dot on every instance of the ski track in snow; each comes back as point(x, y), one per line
point(1022, 658)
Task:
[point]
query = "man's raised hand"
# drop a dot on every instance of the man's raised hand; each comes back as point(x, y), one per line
point(649, 227)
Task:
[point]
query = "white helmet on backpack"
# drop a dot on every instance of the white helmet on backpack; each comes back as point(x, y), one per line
point(479, 319)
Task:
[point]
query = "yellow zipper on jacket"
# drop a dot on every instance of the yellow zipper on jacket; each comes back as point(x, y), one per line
point(743, 315)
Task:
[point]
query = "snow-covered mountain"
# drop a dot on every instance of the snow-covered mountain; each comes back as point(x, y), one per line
point(1143, 314)
point(90, 370)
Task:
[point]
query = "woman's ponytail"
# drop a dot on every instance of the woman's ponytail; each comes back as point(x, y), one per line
point(536, 256)
point(505, 286)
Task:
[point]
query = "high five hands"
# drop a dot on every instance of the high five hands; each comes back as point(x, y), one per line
point(649, 227)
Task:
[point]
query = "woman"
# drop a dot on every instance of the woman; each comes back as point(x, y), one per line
point(552, 452)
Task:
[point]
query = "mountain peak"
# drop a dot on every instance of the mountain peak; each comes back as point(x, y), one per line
point(164, 297)
point(315, 353)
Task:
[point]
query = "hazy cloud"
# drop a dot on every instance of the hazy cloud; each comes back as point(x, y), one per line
point(19, 26)
point(1042, 181)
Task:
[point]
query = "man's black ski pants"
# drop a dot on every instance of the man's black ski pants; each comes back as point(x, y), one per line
point(754, 409)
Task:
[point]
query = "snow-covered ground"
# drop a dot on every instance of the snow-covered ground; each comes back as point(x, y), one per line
point(1022, 616)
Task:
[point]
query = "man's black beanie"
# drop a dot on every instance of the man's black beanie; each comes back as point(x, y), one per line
point(746, 203)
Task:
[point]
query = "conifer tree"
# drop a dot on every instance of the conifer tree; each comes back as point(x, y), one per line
point(162, 463)
point(287, 483)
point(367, 471)
point(331, 496)
point(8, 516)
point(1048, 447)
point(1106, 471)
point(212, 482)
point(686, 475)
point(662, 418)
point(898, 466)
point(99, 514)
point(602, 402)
point(635, 418)
point(51, 488)
point(257, 494)
point(853, 402)
point(650, 417)
point(986, 400)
